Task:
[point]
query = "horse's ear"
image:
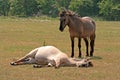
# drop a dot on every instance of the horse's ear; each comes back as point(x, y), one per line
point(70, 13)
point(62, 13)
point(67, 13)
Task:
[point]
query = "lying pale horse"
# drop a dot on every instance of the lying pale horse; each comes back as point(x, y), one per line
point(50, 56)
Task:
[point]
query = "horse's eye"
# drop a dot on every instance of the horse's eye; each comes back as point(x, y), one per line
point(61, 15)
point(61, 19)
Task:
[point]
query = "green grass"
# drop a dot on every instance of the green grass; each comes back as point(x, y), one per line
point(19, 36)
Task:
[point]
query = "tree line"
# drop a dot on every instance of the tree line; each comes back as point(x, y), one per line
point(108, 9)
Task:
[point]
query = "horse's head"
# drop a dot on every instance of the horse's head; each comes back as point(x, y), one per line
point(63, 19)
point(85, 63)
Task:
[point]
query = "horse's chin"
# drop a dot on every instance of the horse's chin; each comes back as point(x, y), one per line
point(61, 30)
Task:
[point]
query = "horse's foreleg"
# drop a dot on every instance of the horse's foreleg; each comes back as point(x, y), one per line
point(79, 46)
point(72, 45)
point(87, 44)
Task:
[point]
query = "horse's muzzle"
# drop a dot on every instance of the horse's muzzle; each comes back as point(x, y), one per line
point(61, 29)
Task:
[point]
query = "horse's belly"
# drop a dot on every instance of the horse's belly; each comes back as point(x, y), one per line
point(45, 54)
point(41, 59)
point(74, 34)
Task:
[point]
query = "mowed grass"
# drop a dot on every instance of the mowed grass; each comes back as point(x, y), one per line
point(19, 36)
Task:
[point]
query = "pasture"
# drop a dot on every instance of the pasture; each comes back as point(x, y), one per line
point(19, 36)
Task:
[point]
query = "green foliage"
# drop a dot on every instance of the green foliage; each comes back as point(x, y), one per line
point(63, 4)
point(17, 7)
point(48, 7)
point(24, 7)
point(108, 9)
point(4, 7)
point(30, 7)
point(83, 7)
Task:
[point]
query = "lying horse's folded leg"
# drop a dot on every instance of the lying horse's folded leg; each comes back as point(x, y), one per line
point(57, 63)
point(37, 66)
point(40, 66)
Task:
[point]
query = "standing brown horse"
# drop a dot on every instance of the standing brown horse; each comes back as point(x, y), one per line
point(78, 27)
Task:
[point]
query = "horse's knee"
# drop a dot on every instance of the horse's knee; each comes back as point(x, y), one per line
point(57, 63)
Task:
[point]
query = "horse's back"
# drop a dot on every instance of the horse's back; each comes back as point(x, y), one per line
point(89, 25)
point(89, 19)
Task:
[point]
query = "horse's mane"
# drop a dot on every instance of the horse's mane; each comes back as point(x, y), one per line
point(68, 12)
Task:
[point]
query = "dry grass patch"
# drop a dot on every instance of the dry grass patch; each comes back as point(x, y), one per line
point(18, 37)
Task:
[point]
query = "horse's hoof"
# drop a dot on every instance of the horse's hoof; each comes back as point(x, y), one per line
point(13, 63)
point(79, 57)
point(87, 55)
point(82, 65)
point(56, 67)
point(49, 65)
point(90, 64)
point(91, 55)
point(37, 66)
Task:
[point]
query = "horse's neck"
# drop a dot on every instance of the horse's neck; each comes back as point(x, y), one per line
point(75, 24)
point(74, 20)
point(72, 62)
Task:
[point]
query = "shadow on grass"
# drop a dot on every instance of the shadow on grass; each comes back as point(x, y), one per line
point(92, 58)
point(96, 58)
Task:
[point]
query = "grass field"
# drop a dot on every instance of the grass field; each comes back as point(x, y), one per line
point(19, 36)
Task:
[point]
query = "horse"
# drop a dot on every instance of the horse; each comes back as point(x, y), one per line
point(79, 27)
point(50, 56)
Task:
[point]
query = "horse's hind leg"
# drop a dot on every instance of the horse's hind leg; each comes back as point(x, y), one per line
point(87, 44)
point(92, 47)
point(20, 61)
point(79, 46)
point(72, 45)
point(92, 41)
point(29, 58)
